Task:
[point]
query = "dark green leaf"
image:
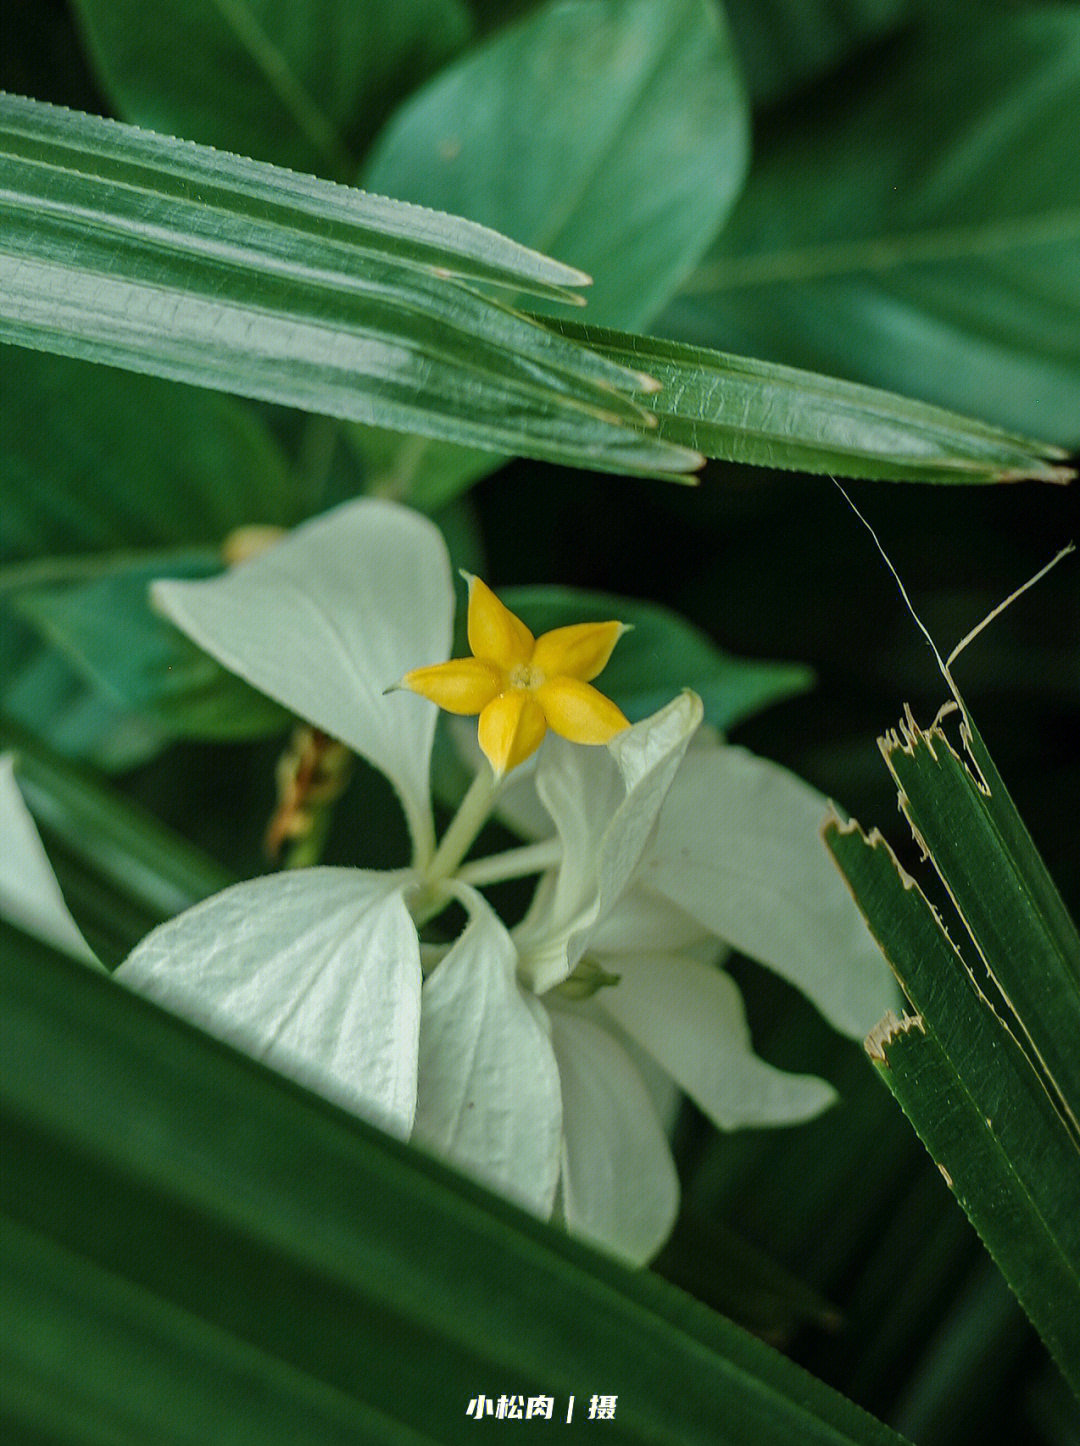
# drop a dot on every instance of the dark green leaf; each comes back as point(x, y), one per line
point(207, 1210)
point(302, 85)
point(662, 654)
point(627, 117)
point(917, 226)
point(783, 44)
point(1007, 900)
point(610, 132)
point(141, 464)
point(743, 410)
point(108, 631)
point(161, 256)
point(43, 693)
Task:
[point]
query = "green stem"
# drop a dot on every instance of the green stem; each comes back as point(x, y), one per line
point(464, 826)
point(512, 864)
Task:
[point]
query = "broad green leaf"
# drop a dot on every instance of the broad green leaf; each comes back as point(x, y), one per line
point(302, 85)
point(962, 1076)
point(936, 259)
point(143, 664)
point(783, 44)
point(146, 465)
point(662, 654)
point(211, 1196)
point(43, 693)
point(1007, 900)
point(165, 257)
point(610, 132)
point(629, 120)
point(741, 410)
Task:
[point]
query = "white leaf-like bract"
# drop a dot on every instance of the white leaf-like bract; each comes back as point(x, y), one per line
point(488, 1097)
point(315, 972)
point(30, 896)
point(618, 1185)
point(689, 1017)
point(604, 804)
point(738, 848)
point(329, 618)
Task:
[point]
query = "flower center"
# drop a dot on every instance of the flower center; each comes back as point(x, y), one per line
point(526, 677)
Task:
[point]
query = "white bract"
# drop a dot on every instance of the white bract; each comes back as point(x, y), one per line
point(509, 1052)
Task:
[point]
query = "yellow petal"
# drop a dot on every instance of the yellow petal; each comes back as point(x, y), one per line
point(464, 685)
point(495, 634)
point(512, 727)
point(581, 651)
point(579, 712)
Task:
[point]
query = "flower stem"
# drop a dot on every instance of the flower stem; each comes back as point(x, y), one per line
point(512, 864)
point(464, 826)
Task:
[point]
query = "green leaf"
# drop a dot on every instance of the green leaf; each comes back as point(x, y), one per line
point(1016, 919)
point(965, 1081)
point(205, 466)
point(743, 410)
point(785, 43)
point(201, 1216)
point(108, 631)
point(43, 693)
point(627, 118)
point(942, 260)
point(300, 85)
point(164, 257)
point(662, 654)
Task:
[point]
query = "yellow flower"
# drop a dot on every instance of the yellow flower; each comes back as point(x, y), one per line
point(520, 685)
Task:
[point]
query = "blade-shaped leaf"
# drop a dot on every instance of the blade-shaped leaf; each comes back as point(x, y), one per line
point(628, 117)
point(190, 1198)
point(1009, 905)
point(301, 85)
point(939, 259)
point(968, 1087)
point(742, 410)
point(161, 256)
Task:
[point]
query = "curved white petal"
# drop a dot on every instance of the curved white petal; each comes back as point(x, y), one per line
point(29, 893)
point(690, 1018)
point(644, 920)
point(488, 1094)
point(604, 803)
point(329, 618)
point(619, 1189)
point(738, 847)
point(315, 972)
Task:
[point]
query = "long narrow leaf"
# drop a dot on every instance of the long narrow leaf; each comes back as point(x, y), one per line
point(135, 250)
point(192, 1198)
point(742, 410)
point(1002, 890)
